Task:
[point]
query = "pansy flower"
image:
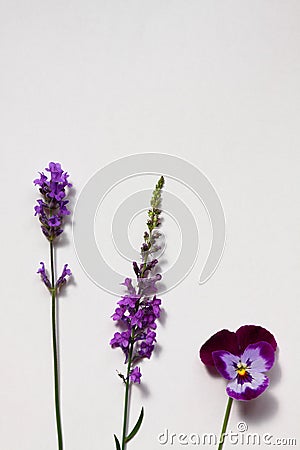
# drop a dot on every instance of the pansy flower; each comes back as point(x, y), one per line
point(241, 357)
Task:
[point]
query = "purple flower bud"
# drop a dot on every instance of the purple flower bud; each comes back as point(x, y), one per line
point(62, 279)
point(136, 269)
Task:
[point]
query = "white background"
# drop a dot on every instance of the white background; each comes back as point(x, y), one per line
point(87, 82)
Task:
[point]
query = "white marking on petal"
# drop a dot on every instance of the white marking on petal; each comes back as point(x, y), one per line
point(260, 355)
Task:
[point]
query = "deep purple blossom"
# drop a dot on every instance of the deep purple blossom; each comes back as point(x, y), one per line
point(135, 375)
point(241, 357)
point(52, 208)
point(235, 342)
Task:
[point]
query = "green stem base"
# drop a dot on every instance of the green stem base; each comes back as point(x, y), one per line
point(225, 422)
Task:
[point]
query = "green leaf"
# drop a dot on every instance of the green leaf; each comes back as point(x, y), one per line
point(136, 427)
point(118, 446)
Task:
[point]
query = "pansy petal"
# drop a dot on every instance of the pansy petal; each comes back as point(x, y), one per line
point(225, 363)
point(259, 357)
point(250, 334)
point(248, 390)
point(223, 340)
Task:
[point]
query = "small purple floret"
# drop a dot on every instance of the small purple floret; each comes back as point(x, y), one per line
point(44, 277)
point(135, 375)
point(63, 278)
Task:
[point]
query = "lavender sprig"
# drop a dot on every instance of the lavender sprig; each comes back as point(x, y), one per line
point(51, 210)
point(137, 313)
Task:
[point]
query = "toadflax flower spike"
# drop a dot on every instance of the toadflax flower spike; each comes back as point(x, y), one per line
point(137, 313)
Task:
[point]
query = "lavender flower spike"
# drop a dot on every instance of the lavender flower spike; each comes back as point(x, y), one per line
point(51, 209)
point(138, 311)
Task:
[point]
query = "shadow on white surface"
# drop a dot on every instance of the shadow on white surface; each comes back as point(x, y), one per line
point(261, 409)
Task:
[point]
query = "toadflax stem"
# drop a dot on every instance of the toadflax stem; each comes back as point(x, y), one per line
point(225, 422)
point(55, 355)
point(126, 406)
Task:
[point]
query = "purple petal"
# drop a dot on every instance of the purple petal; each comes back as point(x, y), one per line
point(259, 357)
point(225, 363)
point(223, 340)
point(250, 334)
point(249, 389)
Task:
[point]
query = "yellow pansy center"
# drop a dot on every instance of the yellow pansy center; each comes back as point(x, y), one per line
point(241, 369)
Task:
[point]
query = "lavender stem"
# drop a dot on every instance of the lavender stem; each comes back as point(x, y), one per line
point(55, 354)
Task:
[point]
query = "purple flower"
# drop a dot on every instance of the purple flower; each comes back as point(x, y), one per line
point(63, 210)
point(118, 314)
point(147, 286)
point(52, 208)
point(54, 221)
point(137, 319)
point(128, 284)
point(145, 350)
point(121, 340)
point(246, 372)
point(135, 375)
point(43, 274)
point(40, 181)
point(129, 301)
point(150, 338)
point(155, 303)
point(241, 357)
point(39, 209)
point(63, 278)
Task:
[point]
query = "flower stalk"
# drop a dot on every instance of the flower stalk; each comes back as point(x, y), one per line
point(51, 210)
point(225, 422)
point(55, 352)
point(126, 396)
point(137, 313)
